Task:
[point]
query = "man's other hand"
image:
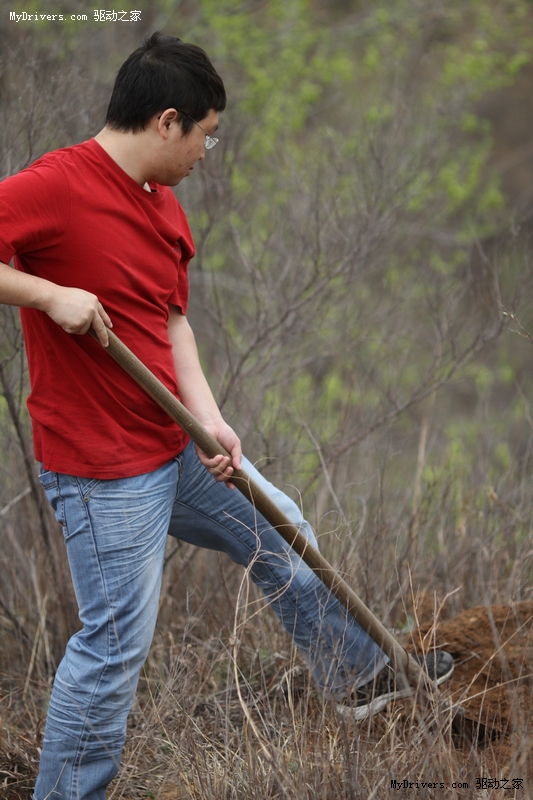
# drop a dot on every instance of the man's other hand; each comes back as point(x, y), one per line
point(222, 467)
point(75, 310)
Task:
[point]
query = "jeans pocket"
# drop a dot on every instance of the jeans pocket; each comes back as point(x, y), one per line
point(87, 486)
point(48, 479)
point(50, 483)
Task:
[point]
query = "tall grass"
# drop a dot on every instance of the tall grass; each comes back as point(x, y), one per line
point(226, 708)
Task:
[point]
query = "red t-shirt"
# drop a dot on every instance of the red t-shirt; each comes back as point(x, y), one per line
point(76, 218)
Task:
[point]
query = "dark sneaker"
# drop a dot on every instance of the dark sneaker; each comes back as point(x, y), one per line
point(371, 698)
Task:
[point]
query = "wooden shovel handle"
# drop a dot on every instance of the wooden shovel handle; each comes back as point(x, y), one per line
point(403, 662)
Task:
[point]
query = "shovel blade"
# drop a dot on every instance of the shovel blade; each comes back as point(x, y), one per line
point(471, 732)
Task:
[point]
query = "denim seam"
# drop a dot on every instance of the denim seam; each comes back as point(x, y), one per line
point(85, 493)
point(81, 745)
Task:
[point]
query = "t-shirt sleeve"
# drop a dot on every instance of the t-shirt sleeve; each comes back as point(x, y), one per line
point(186, 250)
point(180, 295)
point(34, 210)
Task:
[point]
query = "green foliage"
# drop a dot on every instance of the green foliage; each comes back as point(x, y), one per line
point(341, 219)
point(351, 185)
point(274, 58)
point(345, 143)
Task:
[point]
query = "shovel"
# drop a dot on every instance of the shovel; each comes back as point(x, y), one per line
point(408, 671)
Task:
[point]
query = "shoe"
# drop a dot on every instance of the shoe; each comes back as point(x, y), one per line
point(372, 698)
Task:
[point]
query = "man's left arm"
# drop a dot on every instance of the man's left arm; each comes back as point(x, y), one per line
point(197, 397)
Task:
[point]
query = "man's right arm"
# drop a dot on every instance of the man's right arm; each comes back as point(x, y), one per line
point(75, 310)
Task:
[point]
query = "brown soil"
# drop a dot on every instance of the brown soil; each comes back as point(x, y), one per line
point(493, 677)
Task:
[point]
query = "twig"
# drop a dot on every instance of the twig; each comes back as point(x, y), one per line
point(15, 500)
point(522, 332)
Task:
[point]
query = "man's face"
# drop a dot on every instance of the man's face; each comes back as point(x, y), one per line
point(180, 153)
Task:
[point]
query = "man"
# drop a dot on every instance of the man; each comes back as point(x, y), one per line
point(100, 240)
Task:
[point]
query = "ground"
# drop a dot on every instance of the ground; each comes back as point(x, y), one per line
point(181, 738)
point(493, 677)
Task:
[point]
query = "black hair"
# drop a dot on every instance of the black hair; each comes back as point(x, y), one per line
point(164, 73)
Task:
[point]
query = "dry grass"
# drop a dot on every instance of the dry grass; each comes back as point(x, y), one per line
point(225, 709)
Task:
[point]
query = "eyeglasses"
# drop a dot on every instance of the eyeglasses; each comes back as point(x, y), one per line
point(210, 141)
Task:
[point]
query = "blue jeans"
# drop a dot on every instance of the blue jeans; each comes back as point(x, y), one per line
point(115, 533)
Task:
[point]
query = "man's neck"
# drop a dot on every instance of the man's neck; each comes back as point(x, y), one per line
point(126, 150)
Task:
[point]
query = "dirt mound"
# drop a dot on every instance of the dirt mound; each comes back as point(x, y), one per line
point(493, 652)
